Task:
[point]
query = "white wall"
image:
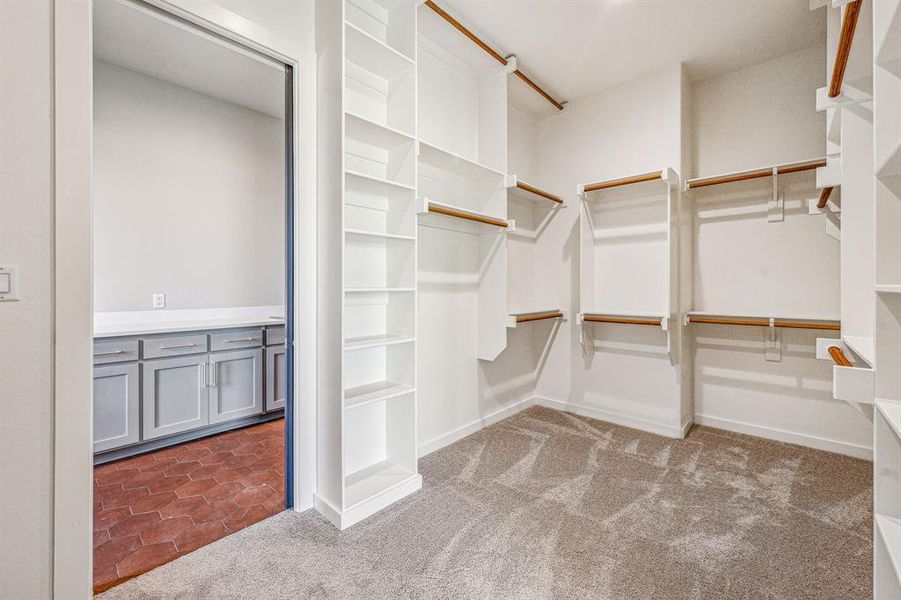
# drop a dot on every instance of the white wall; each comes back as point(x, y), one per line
point(758, 116)
point(629, 129)
point(188, 197)
point(26, 344)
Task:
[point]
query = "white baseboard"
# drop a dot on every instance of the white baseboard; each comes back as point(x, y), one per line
point(673, 431)
point(790, 437)
point(461, 432)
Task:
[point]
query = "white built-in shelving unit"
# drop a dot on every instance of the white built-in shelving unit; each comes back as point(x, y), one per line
point(629, 247)
point(421, 115)
point(886, 352)
point(367, 410)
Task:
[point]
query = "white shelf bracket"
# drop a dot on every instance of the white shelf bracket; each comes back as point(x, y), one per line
point(850, 96)
point(580, 191)
point(773, 343)
point(776, 208)
point(511, 65)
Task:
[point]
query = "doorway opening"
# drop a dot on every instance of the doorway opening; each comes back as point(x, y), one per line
point(193, 178)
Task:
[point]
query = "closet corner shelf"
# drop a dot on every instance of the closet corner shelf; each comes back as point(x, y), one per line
point(387, 237)
point(619, 318)
point(888, 289)
point(888, 41)
point(756, 173)
point(373, 184)
point(374, 55)
point(376, 341)
point(373, 481)
point(375, 392)
point(374, 133)
point(891, 412)
point(448, 210)
point(890, 532)
point(861, 346)
point(891, 165)
point(745, 320)
point(664, 175)
point(377, 290)
point(530, 192)
point(446, 160)
point(535, 315)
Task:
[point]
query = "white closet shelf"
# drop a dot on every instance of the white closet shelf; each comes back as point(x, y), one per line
point(891, 163)
point(376, 341)
point(526, 191)
point(861, 346)
point(759, 320)
point(446, 160)
point(375, 392)
point(388, 237)
point(755, 173)
point(374, 185)
point(888, 289)
point(372, 481)
point(449, 210)
point(890, 532)
point(374, 55)
point(373, 133)
point(888, 41)
point(370, 290)
point(891, 412)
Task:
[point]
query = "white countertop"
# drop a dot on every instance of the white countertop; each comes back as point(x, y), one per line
point(116, 324)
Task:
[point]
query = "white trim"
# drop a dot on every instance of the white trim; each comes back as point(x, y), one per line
point(73, 53)
point(73, 301)
point(459, 433)
point(687, 424)
point(789, 437)
point(671, 431)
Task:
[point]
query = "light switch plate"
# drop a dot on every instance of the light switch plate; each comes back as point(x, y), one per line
point(159, 301)
point(9, 283)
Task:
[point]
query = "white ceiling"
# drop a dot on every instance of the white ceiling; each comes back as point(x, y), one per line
point(142, 39)
point(576, 48)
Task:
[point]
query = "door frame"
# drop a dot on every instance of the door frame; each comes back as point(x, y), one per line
point(73, 265)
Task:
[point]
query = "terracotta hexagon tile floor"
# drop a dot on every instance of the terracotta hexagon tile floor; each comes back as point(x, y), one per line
point(153, 508)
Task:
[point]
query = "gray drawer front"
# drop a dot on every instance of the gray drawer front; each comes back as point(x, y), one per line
point(275, 335)
point(115, 351)
point(234, 339)
point(177, 345)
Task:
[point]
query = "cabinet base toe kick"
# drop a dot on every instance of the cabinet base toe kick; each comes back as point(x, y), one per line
point(101, 458)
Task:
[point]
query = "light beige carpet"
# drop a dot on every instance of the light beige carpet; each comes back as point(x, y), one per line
point(550, 505)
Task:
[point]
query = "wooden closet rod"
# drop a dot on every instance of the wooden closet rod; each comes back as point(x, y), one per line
point(622, 320)
point(603, 185)
point(843, 51)
point(554, 314)
point(757, 173)
point(450, 212)
point(839, 357)
point(539, 192)
point(824, 197)
point(490, 51)
point(761, 323)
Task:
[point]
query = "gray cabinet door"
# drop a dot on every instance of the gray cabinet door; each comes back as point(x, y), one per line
point(236, 384)
point(175, 397)
point(276, 377)
point(116, 406)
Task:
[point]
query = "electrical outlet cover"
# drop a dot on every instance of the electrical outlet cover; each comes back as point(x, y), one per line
point(159, 301)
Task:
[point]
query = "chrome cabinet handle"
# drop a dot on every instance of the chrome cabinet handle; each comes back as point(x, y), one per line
point(203, 374)
point(236, 340)
point(177, 347)
point(214, 377)
point(111, 353)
